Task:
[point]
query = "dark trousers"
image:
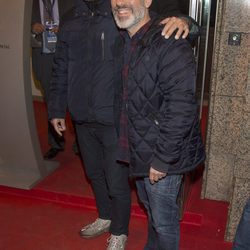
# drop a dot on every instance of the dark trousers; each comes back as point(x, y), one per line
point(98, 146)
point(42, 66)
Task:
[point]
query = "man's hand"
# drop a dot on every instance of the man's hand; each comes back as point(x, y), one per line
point(155, 176)
point(55, 29)
point(37, 28)
point(59, 125)
point(173, 23)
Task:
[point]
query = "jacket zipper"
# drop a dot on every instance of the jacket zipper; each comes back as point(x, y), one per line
point(103, 43)
point(91, 31)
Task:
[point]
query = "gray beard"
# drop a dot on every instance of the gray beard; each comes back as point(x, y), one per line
point(129, 23)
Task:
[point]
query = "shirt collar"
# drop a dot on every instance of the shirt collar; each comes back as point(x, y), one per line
point(140, 33)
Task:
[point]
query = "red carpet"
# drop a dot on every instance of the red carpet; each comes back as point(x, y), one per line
point(50, 215)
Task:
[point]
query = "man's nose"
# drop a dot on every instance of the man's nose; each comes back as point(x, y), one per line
point(119, 2)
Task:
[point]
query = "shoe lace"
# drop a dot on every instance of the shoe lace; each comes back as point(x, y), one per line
point(114, 242)
point(96, 223)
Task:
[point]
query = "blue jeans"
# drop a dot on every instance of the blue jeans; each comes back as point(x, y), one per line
point(163, 213)
point(242, 237)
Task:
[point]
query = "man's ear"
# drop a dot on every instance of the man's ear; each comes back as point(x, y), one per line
point(148, 3)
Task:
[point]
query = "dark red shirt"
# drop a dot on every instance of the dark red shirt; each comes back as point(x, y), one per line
point(129, 48)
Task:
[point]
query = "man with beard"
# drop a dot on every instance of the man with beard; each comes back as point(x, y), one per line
point(84, 80)
point(159, 125)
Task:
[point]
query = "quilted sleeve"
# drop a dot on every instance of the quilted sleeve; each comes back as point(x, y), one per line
point(177, 79)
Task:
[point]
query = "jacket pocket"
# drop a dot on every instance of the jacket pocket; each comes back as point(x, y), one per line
point(105, 46)
point(154, 118)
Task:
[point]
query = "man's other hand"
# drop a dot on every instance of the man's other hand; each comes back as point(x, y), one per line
point(37, 28)
point(55, 29)
point(59, 125)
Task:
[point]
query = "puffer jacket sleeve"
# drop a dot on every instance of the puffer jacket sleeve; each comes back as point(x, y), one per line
point(177, 78)
point(57, 104)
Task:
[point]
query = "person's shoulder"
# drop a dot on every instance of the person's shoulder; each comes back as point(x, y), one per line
point(160, 46)
point(159, 40)
point(173, 46)
point(71, 21)
point(154, 37)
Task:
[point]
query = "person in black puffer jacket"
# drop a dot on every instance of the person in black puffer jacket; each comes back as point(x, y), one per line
point(84, 80)
point(159, 124)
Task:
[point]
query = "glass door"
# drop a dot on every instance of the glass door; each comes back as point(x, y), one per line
point(204, 12)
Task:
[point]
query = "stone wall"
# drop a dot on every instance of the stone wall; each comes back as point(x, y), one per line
point(227, 173)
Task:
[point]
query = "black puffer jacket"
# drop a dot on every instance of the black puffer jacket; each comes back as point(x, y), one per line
point(163, 127)
point(84, 66)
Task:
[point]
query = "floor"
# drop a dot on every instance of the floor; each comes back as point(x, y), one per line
point(50, 215)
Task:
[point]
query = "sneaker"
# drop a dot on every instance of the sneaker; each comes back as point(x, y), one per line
point(117, 242)
point(96, 228)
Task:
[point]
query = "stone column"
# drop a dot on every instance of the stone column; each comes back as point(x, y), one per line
point(227, 172)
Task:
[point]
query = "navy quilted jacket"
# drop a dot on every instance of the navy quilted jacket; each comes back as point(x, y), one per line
point(163, 127)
